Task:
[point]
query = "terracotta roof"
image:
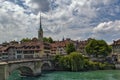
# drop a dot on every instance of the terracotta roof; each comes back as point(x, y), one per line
point(57, 44)
point(4, 48)
point(117, 42)
point(25, 46)
point(30, 46)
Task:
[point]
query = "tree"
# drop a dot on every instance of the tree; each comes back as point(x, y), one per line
point(65, 63)
point(74, 62)
point(45, 39)
point(25, 40)
point(49, 40)
point(77, 61)
point(98, 48)
point(56, 60)
point(70, 48)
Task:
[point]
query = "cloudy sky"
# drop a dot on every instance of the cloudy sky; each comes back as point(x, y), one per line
point(75, 19)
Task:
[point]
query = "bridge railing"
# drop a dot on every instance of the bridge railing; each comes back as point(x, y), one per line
point(27, 59)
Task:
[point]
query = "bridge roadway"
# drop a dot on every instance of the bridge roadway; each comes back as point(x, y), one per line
point(34, 66)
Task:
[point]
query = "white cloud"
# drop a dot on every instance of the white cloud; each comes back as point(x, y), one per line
point(108, 26)
point(107, 30)
point(68, 18)
point(14, 23)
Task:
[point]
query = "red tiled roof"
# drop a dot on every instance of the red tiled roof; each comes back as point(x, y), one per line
point(59, 44)
point(24, 46)
point(117, 42)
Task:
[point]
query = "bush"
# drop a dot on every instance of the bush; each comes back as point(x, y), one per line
point(76, 62)
point(73, 62)
point(64, 62)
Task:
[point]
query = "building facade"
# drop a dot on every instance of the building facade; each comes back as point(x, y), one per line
point(59, 47)
point(81, 46)
point(116, 49)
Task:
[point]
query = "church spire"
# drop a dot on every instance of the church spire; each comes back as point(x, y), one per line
point(40, 23)
point(63, 38)
point(40, 31)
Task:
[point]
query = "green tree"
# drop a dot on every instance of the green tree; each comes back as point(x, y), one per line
point(98, 48)
point(74, 62)
point(65, 62)
point(77, 61)
point(56, 60)
point(70, 48)
point(25, 40)
point(45, 39)
point(49, 40)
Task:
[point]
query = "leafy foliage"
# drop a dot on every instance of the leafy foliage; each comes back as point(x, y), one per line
point(65, 62)
point(76, 62)
point(73, 62)
point(25, 40)
point(56, 60)
point(98, 48)
point(70, 48)
point(50, 40)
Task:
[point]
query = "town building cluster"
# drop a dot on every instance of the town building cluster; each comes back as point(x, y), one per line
point(37, 48)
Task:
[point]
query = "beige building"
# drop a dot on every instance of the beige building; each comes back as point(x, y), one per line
point(58, 47)
point(116, 49)
point(81, 46)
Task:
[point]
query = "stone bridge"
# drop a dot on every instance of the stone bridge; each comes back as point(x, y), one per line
point(117, 65)
point(30, 67)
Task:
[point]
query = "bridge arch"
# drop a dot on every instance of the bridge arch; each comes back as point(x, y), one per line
point(34, 67)
point(25, 69)
point(46, 66)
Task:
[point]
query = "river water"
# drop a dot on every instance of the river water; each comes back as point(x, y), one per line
point(92, 75)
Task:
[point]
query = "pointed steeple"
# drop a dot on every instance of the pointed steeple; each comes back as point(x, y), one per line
point(40, 28)
point(40, 31)
point(63, 38)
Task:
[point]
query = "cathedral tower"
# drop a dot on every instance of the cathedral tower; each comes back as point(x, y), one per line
point(40, 31)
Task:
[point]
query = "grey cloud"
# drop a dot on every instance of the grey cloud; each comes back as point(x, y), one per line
point(43, 5)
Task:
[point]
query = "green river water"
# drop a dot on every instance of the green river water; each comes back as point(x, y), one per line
point(92, 75)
